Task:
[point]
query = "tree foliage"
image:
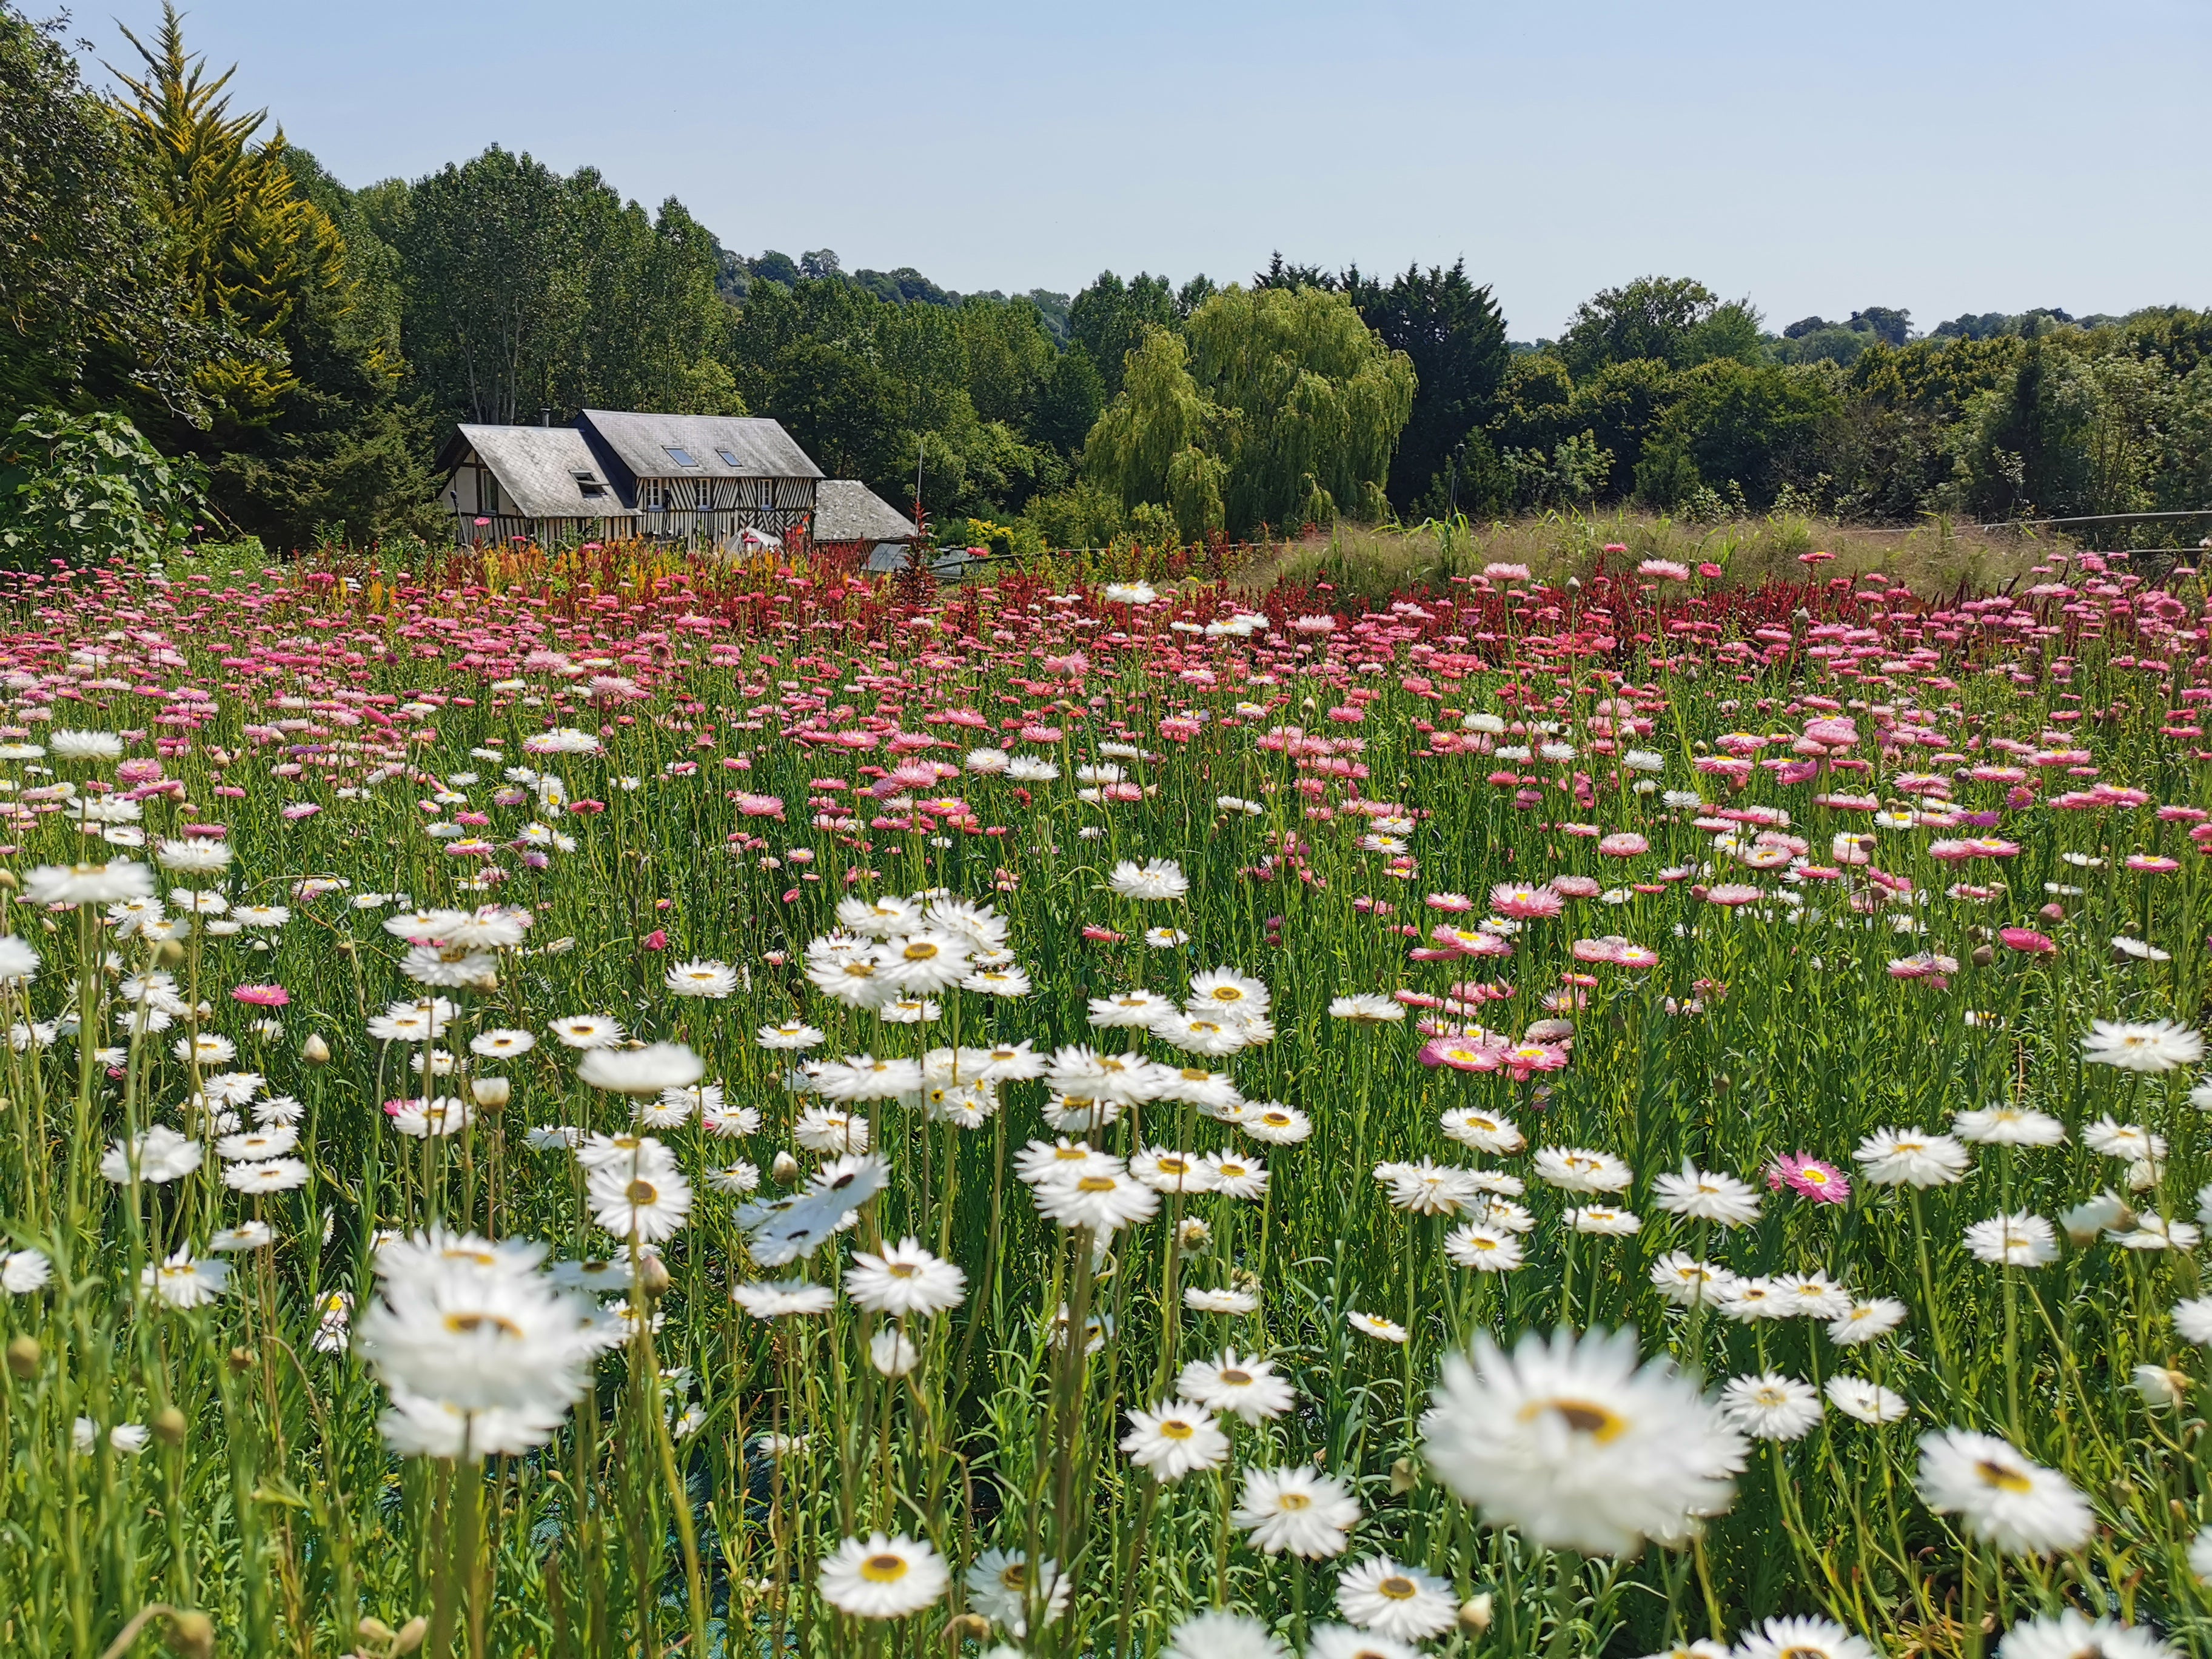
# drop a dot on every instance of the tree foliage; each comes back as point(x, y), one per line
point(1454, 335)
point(305, 432)
point(1753, 427)
point(248, 251)
point(1109, 320)
point(89, 307)
point(1273, 406)
point(525, 290)
point(975, 396)
point(1674, 319)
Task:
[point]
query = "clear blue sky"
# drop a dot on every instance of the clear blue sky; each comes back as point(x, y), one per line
point(1946, 155)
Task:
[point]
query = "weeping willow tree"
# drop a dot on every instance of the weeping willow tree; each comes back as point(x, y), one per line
point(1272, 407)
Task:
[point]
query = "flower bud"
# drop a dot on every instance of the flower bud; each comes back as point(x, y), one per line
point(892, 1352)
point(169, 1426)
point(2106, 1212)
point(652, 1278)
point(411, 1635)
point(1474, 1613)
point(1984, 956)
point(315, 1051)
point(373, 1629)
point(171, 951)
point(242, 1359)
point(491, 1092)
point(966, 1627)
point(785, 1167)
point(24, 1357)
point(192, 1634)
point(1404, 1477)
point(2161, 1385)
point(7, 880)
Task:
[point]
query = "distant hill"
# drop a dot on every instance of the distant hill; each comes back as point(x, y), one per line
point(905, 286)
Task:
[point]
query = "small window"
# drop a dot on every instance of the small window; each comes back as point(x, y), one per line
point(588, 483)
point(681, 457)
point(487, 493)
point(729, 458)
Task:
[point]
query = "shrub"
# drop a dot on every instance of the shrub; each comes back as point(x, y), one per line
point(89, 488)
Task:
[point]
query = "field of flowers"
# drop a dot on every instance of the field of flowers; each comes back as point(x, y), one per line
point(747, 1115)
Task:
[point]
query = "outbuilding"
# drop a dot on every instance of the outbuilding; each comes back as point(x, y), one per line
point(855, 528)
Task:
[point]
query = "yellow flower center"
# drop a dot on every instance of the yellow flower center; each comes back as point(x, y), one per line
point(1175, 1429)
point(2002, 1476)
point(1580, 1415)
point(1398, 1589)
point(468, 1324)
point(1237, 1379)
point(1095, 1184)
point(883, 1568)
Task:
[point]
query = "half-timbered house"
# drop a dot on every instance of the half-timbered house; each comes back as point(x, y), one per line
point(700, 480)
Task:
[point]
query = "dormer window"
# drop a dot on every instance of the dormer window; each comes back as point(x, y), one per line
point(681, 457)
point(588, 482)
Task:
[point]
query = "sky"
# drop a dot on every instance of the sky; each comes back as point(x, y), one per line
point(1944, 157)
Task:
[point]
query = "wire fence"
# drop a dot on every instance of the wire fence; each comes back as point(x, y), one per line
point(2092, 518)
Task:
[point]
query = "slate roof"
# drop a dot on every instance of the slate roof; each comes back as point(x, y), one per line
point(847, 510)
point(641, 442)
point(537, 468)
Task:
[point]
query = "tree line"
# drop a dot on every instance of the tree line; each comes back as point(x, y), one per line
point(196, 311)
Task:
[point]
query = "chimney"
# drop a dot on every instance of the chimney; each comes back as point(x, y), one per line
point(546, 414)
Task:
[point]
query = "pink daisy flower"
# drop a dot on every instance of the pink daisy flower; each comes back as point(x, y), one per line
point(1809, 1177)
point(1525, 903)
point(1461, 1055)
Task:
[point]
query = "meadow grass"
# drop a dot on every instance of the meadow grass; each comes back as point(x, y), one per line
point(1549, 893)
point(1368, 562)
